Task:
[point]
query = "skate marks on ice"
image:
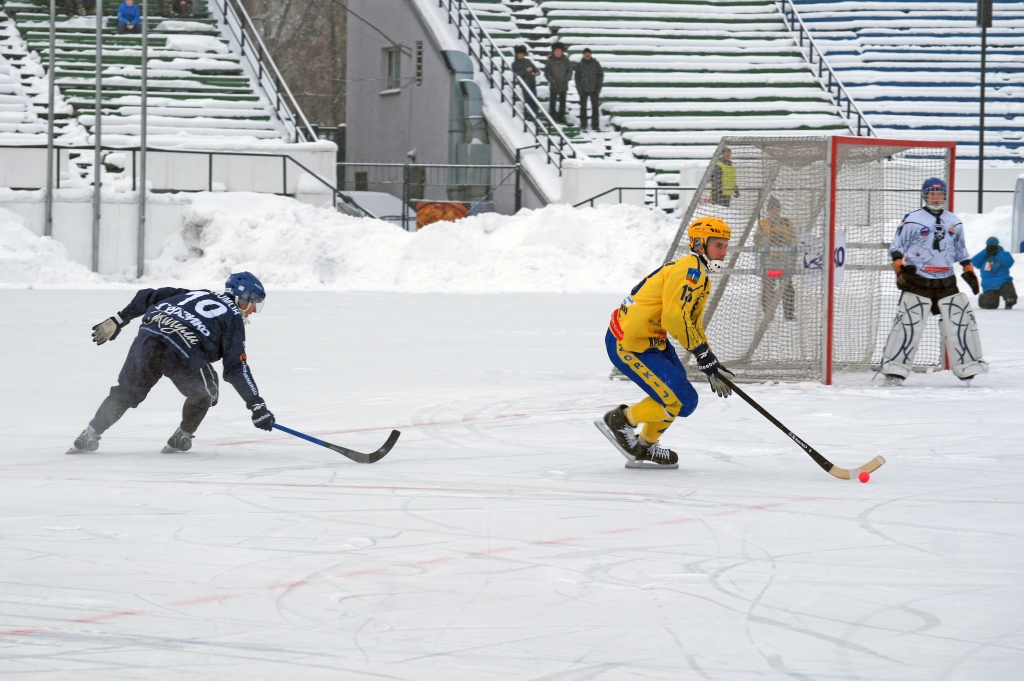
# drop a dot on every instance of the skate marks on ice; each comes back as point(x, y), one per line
point(505, 540)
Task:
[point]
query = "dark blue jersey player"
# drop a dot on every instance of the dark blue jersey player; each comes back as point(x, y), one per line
point(182, 334)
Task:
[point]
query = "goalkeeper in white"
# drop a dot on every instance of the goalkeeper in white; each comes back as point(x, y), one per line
point(927, 245)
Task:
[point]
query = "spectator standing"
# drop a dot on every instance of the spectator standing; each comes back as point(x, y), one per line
point(558, 70)
point(723, 180)
point(128, 18)
point(589, 79)
point(525, 69)
point(996, 282)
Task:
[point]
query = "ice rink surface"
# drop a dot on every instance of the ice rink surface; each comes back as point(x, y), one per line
point(502, 538)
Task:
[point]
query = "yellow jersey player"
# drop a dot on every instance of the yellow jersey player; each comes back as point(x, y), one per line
point(669, 301)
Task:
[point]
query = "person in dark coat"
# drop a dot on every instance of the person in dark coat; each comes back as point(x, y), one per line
point(996, 282)
point(589, 79)
point(525, 69)
point(558, 70)
point(128, 18)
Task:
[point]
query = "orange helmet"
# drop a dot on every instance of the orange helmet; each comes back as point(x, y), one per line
point(702, 229)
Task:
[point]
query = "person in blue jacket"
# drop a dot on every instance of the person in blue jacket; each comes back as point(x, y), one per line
point(996, 282)
point(128, 18)
point(181, 334)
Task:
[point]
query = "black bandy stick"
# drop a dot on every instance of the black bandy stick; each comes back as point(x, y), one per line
point(358, 457)
point(841, 473)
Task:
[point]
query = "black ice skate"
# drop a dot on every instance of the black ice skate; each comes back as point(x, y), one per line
point(88, 441)
point(616, 428)
point(179, 442)
point(653, 456)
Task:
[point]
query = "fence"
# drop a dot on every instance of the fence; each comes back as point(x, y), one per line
point(829, 80)
point(410, 194)
point(244, 34)
point(655, 191)
point(495, 66)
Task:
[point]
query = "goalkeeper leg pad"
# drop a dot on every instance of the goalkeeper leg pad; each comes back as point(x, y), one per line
point(905, 337)
point(963, 342)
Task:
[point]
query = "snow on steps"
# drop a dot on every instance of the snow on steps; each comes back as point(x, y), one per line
point(199, 90)
point(913, 67)
point(678, 72)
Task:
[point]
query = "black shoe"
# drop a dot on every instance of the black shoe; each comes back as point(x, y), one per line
point(1009, 306)
point(88, 441)
point(618, 424)
point(655, 454)
point(179, 442)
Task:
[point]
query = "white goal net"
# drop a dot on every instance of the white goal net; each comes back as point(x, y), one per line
point(804, 212)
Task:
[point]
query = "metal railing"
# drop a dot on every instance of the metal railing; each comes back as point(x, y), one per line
point(496, 68)
point(656, 190)
point(336, 193)
point(269, 79)
point(854, 117)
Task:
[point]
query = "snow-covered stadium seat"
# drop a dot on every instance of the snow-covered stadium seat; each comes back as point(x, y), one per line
point(913, 68)
point(680, 75)
point(198, 89)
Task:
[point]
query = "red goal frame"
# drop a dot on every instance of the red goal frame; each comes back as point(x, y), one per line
point(836, 142)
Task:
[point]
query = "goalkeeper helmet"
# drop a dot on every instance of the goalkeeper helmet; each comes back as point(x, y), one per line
point(703, 229)
point(934, 184)
point(245, 288)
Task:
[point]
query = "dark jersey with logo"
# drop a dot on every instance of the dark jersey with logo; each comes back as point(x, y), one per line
point(200, 326)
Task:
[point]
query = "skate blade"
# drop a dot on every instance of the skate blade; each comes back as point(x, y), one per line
point(76, 450)
point(603, 427)
point(171, 450)
point(651, 465)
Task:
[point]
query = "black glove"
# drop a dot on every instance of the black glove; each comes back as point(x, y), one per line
point(262, 417)
point(706, 360)
point(107, 329)
point(972, 280)
point(907, 274)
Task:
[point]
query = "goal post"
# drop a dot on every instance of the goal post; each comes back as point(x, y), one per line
point(808, 288)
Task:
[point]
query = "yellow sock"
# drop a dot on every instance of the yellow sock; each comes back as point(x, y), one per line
point(645, 411)
point(652, 432)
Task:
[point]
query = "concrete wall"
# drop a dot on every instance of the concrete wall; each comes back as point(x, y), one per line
point(384, 125)
point(965, 188)
point(72, 224)
point(585, 179)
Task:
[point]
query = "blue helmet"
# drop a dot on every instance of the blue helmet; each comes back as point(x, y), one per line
point(246, 288)
point(933, 184)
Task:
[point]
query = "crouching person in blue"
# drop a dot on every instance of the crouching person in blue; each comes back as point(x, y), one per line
point(996, 282)
point(182, 333)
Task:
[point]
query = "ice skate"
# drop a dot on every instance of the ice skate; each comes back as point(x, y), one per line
point(616, 428)
point(179, 442)
point(652, 456)
point(892, 381)
point(88, 441)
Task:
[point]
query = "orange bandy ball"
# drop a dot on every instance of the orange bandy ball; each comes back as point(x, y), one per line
point(864, 476)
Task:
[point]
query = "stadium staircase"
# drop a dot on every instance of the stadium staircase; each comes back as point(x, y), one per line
point(680, 74)
point(913, 68)
point(201, 94)
point(19, 119)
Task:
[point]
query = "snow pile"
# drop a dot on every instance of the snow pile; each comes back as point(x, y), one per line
point(28, 259)
point(196, 43)
point(291, 245)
